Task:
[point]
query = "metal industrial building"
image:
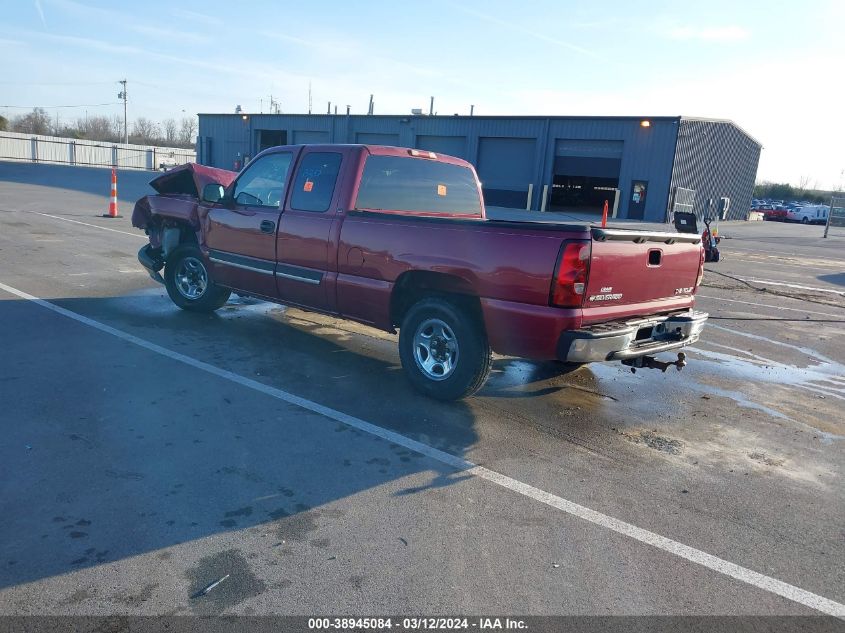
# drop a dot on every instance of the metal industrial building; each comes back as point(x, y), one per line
point(575, 163)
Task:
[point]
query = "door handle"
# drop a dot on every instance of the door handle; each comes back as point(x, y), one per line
point(267, 226)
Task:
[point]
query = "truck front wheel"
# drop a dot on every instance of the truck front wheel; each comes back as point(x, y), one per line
point(444, 350)
point(189, 283)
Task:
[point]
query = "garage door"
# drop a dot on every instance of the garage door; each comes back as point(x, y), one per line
point(588, 157)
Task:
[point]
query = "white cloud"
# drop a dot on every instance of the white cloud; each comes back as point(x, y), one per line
point(728, 33)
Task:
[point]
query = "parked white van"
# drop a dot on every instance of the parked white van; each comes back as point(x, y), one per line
point(809, 214)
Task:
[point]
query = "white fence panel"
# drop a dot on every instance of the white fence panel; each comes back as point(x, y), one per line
point(15, 149)
point(58, 150)
point(132, 158)
point(93, 154)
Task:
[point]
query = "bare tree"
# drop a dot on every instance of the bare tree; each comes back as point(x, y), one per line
point(171, 131)
point(97, 128)
point(36, 122)
point(803, 184)
point(144, 131)
point(117, 128)
point(187, 131)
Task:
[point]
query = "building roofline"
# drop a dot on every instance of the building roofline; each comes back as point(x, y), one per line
point(729, 121)
point(498, 117)
point(453, 116)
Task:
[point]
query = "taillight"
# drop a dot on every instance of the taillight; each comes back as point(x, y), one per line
point(570, 280)
point(700, 277)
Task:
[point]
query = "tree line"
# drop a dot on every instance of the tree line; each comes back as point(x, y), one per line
point(786, 192)
point(142, 131)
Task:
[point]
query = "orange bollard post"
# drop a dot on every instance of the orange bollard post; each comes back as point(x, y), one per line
point(604, 215)
point(113, 201)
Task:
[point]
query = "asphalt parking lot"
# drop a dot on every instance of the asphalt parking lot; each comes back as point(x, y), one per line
point(147, 452)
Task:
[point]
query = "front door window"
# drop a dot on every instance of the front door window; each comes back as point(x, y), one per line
point(262, 184)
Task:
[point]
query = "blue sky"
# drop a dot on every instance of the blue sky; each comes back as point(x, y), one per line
point(773, 67)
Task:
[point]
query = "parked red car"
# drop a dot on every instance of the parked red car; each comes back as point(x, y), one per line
point(396, 237)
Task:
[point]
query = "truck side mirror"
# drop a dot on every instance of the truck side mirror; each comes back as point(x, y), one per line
point(213, 192)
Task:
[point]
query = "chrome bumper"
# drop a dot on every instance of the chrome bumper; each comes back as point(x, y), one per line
point(623, 340)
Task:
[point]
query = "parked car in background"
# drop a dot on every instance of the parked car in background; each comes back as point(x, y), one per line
point(776, 213)
point(808, 214)
point(168, 161)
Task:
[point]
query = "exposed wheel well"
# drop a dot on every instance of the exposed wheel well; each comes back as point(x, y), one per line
point(416, 284)
point(170, 233)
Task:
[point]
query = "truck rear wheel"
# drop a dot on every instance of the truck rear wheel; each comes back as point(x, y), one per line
point(444, 350)
point(188, 281)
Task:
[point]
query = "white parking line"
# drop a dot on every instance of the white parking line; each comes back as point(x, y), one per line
point(768, 305)
point(93, 226)
point(691, 554)
point(740, 249)
point(799, 287)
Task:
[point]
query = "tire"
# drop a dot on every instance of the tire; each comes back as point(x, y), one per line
point(805, 220)
point(185, 265)
point(444, 350)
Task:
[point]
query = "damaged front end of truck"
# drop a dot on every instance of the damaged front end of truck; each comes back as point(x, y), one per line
point(174, 215)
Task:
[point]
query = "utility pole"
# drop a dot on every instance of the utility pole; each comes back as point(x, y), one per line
point(123, 95)
point(309, 97)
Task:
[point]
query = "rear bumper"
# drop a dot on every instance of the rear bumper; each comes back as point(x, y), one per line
point(623, 340)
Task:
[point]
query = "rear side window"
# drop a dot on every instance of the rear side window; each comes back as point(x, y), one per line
point(316, 177)
point(396, 183)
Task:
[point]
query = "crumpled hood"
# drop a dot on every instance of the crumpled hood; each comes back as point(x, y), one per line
point(190, 179)
point(178, 194)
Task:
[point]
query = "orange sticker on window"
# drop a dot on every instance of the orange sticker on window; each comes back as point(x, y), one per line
point(309, 185)
point(441, 190)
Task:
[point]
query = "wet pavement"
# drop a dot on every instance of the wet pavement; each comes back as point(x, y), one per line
point(130, 480)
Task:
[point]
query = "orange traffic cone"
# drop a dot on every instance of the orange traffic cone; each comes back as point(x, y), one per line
point(113, 202)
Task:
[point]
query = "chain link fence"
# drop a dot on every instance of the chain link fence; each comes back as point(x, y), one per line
point(69, 151)
point(836, 216)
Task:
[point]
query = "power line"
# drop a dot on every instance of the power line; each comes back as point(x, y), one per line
point(52, 107)
point(56, 83)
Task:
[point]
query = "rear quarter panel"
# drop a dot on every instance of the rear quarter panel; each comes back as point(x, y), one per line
point(496, 262)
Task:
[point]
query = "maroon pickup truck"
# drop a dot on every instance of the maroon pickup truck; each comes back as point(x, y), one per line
point(398, 238)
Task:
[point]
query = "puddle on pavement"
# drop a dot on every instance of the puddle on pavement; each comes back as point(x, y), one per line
point(815, 355)
point(826, 378)
point(823, 381)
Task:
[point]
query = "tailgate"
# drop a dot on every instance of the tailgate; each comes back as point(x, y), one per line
point(631, 267)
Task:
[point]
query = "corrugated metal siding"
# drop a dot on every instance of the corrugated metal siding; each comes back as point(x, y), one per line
point(451, 145)
point(311, 136)
point(716, 159)
point(647, 153)
point(376, 138)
